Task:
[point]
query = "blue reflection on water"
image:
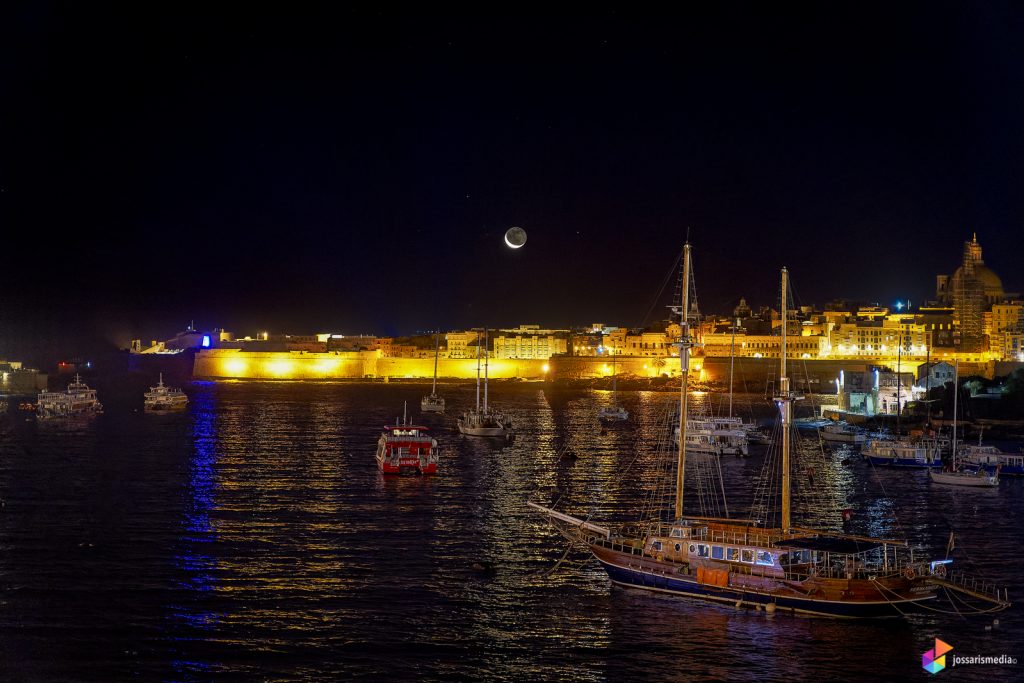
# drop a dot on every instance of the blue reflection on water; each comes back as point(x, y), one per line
point(196, 564)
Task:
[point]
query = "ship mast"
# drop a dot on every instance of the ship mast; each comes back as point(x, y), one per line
point(684, 369)
point(487, 358)
point(785, 401)
point(478, 372)
point(437, 350)
point(732, 360)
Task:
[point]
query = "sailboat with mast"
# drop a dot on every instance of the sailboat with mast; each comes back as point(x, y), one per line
point(433, 403)
point(484, 421)
point(614, 412)
point(747, 562)
point(957, 475)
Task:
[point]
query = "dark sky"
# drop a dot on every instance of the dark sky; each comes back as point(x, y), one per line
point(313, 169)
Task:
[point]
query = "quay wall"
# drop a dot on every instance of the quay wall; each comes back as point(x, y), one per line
point(749, 374)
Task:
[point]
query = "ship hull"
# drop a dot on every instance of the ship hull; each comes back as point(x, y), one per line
point(403, 466)
point(903, 462)
point(635, 575)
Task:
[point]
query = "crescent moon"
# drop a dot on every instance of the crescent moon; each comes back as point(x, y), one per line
point(514, 246)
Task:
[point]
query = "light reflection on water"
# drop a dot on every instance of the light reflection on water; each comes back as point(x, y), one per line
point(254, 537)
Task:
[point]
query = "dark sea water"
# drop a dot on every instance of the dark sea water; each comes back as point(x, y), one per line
point(252, 538)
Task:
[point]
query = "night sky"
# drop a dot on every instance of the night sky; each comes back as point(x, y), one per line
point(316, 170)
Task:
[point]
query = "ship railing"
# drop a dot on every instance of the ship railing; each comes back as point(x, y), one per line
point(973, 585)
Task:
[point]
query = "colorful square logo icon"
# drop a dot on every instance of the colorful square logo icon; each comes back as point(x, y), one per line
point(933, 661)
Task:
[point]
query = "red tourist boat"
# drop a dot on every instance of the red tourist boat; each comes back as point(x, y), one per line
point(405, 448)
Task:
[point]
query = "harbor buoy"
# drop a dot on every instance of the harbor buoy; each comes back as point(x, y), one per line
point(770, 607)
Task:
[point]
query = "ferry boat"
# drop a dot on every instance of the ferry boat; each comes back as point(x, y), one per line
point(77, 401)
point(741, 562)
point(484, 421)
point(405, 448)
point(164, 398)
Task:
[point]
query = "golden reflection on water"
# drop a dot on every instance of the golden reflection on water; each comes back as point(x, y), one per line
point(294, 540)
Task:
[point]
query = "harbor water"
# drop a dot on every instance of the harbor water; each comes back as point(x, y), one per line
point(251, 537)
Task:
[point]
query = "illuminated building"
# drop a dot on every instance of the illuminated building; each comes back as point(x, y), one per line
point(529, 341)
point(764, 346)
point(972, 290)
point(459, 343)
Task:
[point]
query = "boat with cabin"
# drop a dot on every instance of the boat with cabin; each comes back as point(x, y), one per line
point(405, 448)
point(746, 562)
point(163, 398)
point(78, 400)
point(840, 432)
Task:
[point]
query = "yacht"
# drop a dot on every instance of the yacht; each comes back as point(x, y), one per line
point(484, 421)
point(433, 403)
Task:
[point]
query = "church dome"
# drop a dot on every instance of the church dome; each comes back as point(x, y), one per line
point(991, 283)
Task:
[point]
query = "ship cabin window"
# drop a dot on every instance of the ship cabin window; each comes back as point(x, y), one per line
point(765, 558)
point(693, 548)
point(656, 545)
point(747, 556)
point(717, 552)
point(679, 547)
point(732, 554)
point(677, 532)
point(702, 550)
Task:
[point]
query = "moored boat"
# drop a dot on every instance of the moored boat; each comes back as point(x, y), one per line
point(405, 448)
point(433, 403)
point(842, 433)
point(77, 401)
point(162, 398)
point(483, 420)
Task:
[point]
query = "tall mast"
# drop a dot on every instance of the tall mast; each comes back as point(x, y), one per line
point(732, 359)
point(478, 372)
point(615, 394)
point(785, 403)
point(684, 369)
point(487, 358)
point(899, 366)
point(956, 393)
point(437, 350)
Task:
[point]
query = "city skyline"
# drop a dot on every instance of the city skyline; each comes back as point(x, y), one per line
point(320, 170)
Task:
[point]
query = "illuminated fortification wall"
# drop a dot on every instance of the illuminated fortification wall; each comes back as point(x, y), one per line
point(292, 365)
point(237, 364)
point(751, 374)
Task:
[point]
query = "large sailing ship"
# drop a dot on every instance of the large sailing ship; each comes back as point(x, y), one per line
point(747, 562)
